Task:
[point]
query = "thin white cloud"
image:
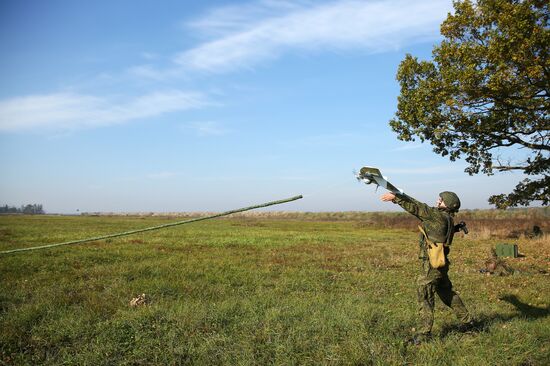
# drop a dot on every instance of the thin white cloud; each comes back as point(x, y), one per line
point(223, 20)
point(70, 111)
point(245, 36)
point(237, 36)
point(206, 128)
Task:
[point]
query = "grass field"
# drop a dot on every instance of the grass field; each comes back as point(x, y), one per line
point(255, 290)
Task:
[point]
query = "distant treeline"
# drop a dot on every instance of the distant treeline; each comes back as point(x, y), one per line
point(34, 209)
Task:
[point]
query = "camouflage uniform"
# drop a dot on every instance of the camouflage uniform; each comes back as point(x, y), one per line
point(435, 222)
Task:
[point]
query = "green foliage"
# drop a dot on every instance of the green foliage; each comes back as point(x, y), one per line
point(486, 91)
point(34, 209)
point(253, 292)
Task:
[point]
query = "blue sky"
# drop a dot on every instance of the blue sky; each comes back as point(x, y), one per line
point(213, 105)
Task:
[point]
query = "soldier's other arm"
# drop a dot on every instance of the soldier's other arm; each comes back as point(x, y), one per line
point(409, 204)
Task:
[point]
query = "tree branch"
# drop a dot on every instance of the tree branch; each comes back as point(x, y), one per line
point(503, 168)
point(527, 144)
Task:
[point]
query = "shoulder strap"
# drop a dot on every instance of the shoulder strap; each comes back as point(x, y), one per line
point(450, 227)
point(429, 243)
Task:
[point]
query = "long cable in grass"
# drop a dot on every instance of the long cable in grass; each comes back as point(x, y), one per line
point(153, 227)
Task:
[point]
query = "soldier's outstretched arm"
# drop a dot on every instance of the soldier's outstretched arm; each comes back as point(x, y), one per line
point(409, 204)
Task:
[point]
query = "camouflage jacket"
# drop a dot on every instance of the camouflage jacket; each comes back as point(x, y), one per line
point(436, 222)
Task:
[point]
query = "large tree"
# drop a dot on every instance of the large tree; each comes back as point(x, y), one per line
point(485, 94)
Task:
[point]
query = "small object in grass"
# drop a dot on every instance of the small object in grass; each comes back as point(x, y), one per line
point(139, 300)
point(419, 339)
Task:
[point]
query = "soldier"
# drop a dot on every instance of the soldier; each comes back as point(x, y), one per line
point(436, 227)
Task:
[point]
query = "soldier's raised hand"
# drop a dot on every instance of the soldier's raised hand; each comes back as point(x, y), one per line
point(386, 197)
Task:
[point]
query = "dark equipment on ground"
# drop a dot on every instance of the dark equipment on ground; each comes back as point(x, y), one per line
point(507, 250)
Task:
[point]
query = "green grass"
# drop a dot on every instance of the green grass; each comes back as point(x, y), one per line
point(255, 291)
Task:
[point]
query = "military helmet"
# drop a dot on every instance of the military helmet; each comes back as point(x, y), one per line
point(451, 200)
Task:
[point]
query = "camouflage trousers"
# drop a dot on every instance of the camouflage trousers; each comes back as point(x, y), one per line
point(434, 281)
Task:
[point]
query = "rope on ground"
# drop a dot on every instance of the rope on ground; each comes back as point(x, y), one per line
point(153, 227)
